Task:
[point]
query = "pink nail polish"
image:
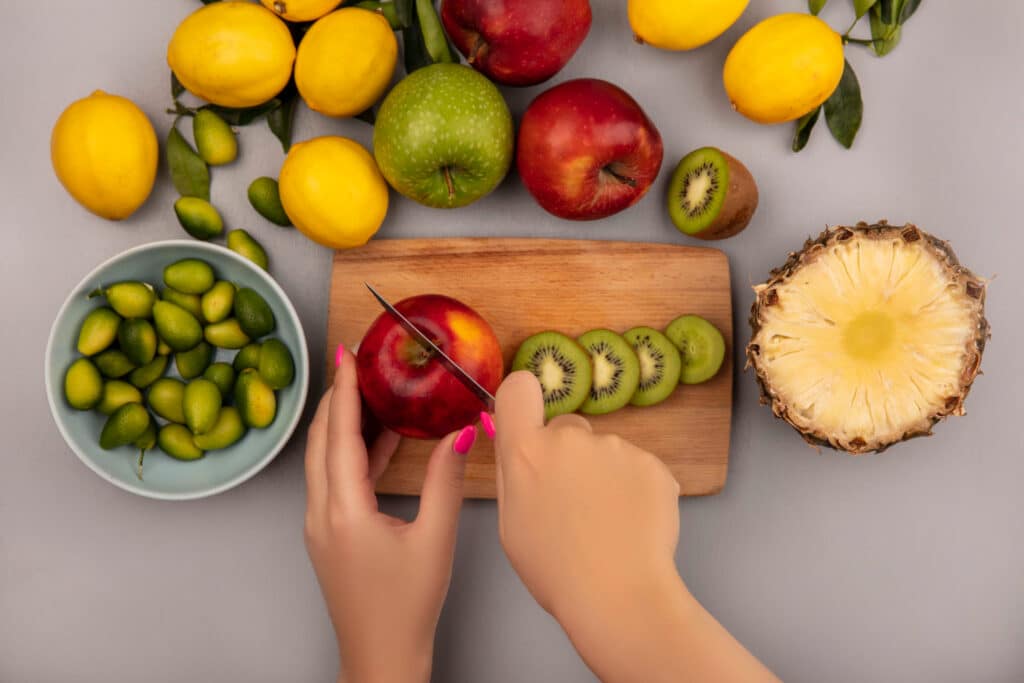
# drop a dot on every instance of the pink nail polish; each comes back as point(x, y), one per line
point(464, 441)
point(339, 354)
point(487, 422)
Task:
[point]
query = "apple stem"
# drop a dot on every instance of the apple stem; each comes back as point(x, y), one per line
point(621, 178)
point(478, 46)
point(447, 172)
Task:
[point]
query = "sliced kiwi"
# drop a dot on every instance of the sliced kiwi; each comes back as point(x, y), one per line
point(616, 372)
point(700, 344)
point(711, 195)
point(660, 365)
point(561, 365)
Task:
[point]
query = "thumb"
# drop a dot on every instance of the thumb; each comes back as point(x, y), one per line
point(441, 499)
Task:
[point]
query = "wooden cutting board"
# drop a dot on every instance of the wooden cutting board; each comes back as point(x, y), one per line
point(524, 286)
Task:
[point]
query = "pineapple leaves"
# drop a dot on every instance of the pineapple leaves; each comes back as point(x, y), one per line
point(844, 108)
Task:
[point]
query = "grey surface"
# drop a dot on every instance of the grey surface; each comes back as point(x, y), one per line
point(903, 567)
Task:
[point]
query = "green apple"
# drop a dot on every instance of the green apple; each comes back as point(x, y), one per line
point(444, 136)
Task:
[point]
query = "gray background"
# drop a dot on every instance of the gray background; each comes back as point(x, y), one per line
point(903, 567)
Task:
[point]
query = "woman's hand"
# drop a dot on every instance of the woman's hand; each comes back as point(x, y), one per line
point(590, 523)
point(383, 579)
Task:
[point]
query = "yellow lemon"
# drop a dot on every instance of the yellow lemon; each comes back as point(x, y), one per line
point(333, 192)
point(345, 62)
point(783, 68)
point(235, 54)
point(301, 10)
point(682, 24)
point(104, 151)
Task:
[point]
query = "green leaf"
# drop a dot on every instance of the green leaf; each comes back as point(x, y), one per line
point(885, 36)
point(909, 7)
point(189, 173)
point(244, 116)
point(815, 6)
point(844, 108)
point(403, 12)
point(861, 7)
point(414, 49)
point(804, 126)
point(176, 87)
point(280, 120)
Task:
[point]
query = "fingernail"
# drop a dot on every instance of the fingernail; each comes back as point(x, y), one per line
point(339, 354)
point(487, 422)
point(464, 441)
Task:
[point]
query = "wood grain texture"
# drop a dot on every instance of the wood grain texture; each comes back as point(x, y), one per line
point(524, 286)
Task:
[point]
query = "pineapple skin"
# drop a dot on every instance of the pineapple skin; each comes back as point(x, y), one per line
point(766, 296)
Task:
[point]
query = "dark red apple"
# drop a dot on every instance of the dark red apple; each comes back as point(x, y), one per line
point(407, 388)
point(517, 42)
point(586, 150)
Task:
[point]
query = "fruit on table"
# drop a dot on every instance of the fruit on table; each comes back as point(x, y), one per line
point(406, 387)
point(116, 394)
point(201, 404)
point(137, 339)
point(244, 244)
point(255, 400)
point(227, 334)
point(124, 426)
point(266, 199)
point(192, 363)
point(616, 372)
point(113, 363)
point(276, 366)
point(333, 192)
point(867, 336)
point(253, 313)
point(660, 365)
point(98, 331)
point(301, 10)
point(783, 68)
point(83, 385)
point(235, 54)
point(142, 377)
point(562, 367)
point(443, 136)
point(104, 152)
point(517, 42)
point(166, 398)
point(176, 441)
point(215, 141)
point(587, 150)
point(226, 430)
point(345, 62)
point(217, 301)
point(128, 299)
point(198, 217)
point(682, 24)
point(190, 302)
point(223, 375)
point(176, 326)
point(700, 345)
point(712, 195)
point(189, 275)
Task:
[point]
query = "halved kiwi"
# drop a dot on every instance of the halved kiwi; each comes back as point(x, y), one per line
point(701, 346)
point(660, 365)
point(616, 372)
point(711, 195)
point(561, 365)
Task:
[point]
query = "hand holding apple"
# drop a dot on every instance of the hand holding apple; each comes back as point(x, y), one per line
point(517, 42)
point(587, 150)
point(408, 389)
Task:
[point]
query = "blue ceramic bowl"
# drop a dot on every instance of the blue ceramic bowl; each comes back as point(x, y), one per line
point(165, 477)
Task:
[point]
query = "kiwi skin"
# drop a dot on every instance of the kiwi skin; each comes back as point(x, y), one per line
point(741, 199)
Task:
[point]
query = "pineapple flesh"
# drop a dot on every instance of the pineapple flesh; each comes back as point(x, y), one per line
point(868, 336)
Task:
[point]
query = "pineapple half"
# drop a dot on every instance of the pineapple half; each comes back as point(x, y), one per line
point(867, 336)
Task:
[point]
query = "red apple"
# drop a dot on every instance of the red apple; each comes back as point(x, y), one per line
point(407, 388)
point(517, 42)
point(587, 150)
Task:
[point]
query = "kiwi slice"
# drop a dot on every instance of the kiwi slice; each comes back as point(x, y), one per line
point(561, 365)
point(701, 346)
point(711, 195)
point(660, 365)
point(616, 372)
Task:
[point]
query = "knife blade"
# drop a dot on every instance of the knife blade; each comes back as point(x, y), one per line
point(446, 362)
